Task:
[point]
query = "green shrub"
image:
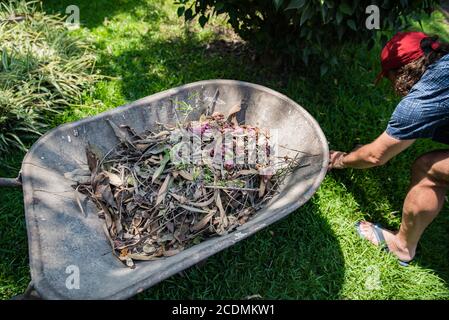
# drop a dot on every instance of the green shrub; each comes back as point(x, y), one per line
point(292, 29)
point(43, 69)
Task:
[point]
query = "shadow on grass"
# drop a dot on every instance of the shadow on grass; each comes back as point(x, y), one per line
point(433, 251)
point(163, 64)
point(296, 258)
point(372, 192)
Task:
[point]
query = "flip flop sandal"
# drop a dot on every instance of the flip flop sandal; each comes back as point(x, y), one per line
point(377, 230)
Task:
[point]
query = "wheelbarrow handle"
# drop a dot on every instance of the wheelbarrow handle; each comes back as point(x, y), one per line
point(10, 182)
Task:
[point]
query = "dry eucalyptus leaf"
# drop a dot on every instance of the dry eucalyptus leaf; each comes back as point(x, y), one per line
point(233, 110)
point(186, 175)
point(92, 158)
point(103, 190)
point(114, 179)
point(130, 263)
point(154, 208)
point(148, 249)
point(170, 253)
point(163, 190)
point(203, 222)
point(121, 133)
point(161, 168)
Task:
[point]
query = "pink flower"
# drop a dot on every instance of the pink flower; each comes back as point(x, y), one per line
point(229, 164)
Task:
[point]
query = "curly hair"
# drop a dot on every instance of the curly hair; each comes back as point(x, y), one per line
point(408, 75)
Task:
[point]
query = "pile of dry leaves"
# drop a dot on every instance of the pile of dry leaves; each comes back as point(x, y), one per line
point(156, 201)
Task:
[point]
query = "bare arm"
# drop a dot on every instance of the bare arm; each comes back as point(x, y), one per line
point(374, 154)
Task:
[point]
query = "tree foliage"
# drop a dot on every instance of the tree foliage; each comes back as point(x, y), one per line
point(292, 29)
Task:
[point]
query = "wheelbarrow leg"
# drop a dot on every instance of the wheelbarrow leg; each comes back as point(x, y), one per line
point(29, 294)
point(11, 182)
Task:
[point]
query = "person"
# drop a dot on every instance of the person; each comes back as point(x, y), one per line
point(418, 67)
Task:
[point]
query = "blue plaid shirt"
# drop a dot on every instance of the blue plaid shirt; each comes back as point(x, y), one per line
point(424, 112)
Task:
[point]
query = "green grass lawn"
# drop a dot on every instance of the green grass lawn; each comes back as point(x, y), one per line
point(315, 252)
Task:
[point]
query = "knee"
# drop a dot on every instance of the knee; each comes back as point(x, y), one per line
point(424, 166)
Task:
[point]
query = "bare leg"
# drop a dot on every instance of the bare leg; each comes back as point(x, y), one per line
point(425, 198)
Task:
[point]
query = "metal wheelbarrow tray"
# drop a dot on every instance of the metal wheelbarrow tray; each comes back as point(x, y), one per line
point(60, 237)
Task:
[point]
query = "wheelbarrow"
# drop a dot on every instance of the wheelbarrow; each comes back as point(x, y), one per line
point(69, 254)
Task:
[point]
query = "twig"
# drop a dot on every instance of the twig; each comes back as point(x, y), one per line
point(214, 100)
point(78, 201)
point(231, 188)
point(304, 152)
